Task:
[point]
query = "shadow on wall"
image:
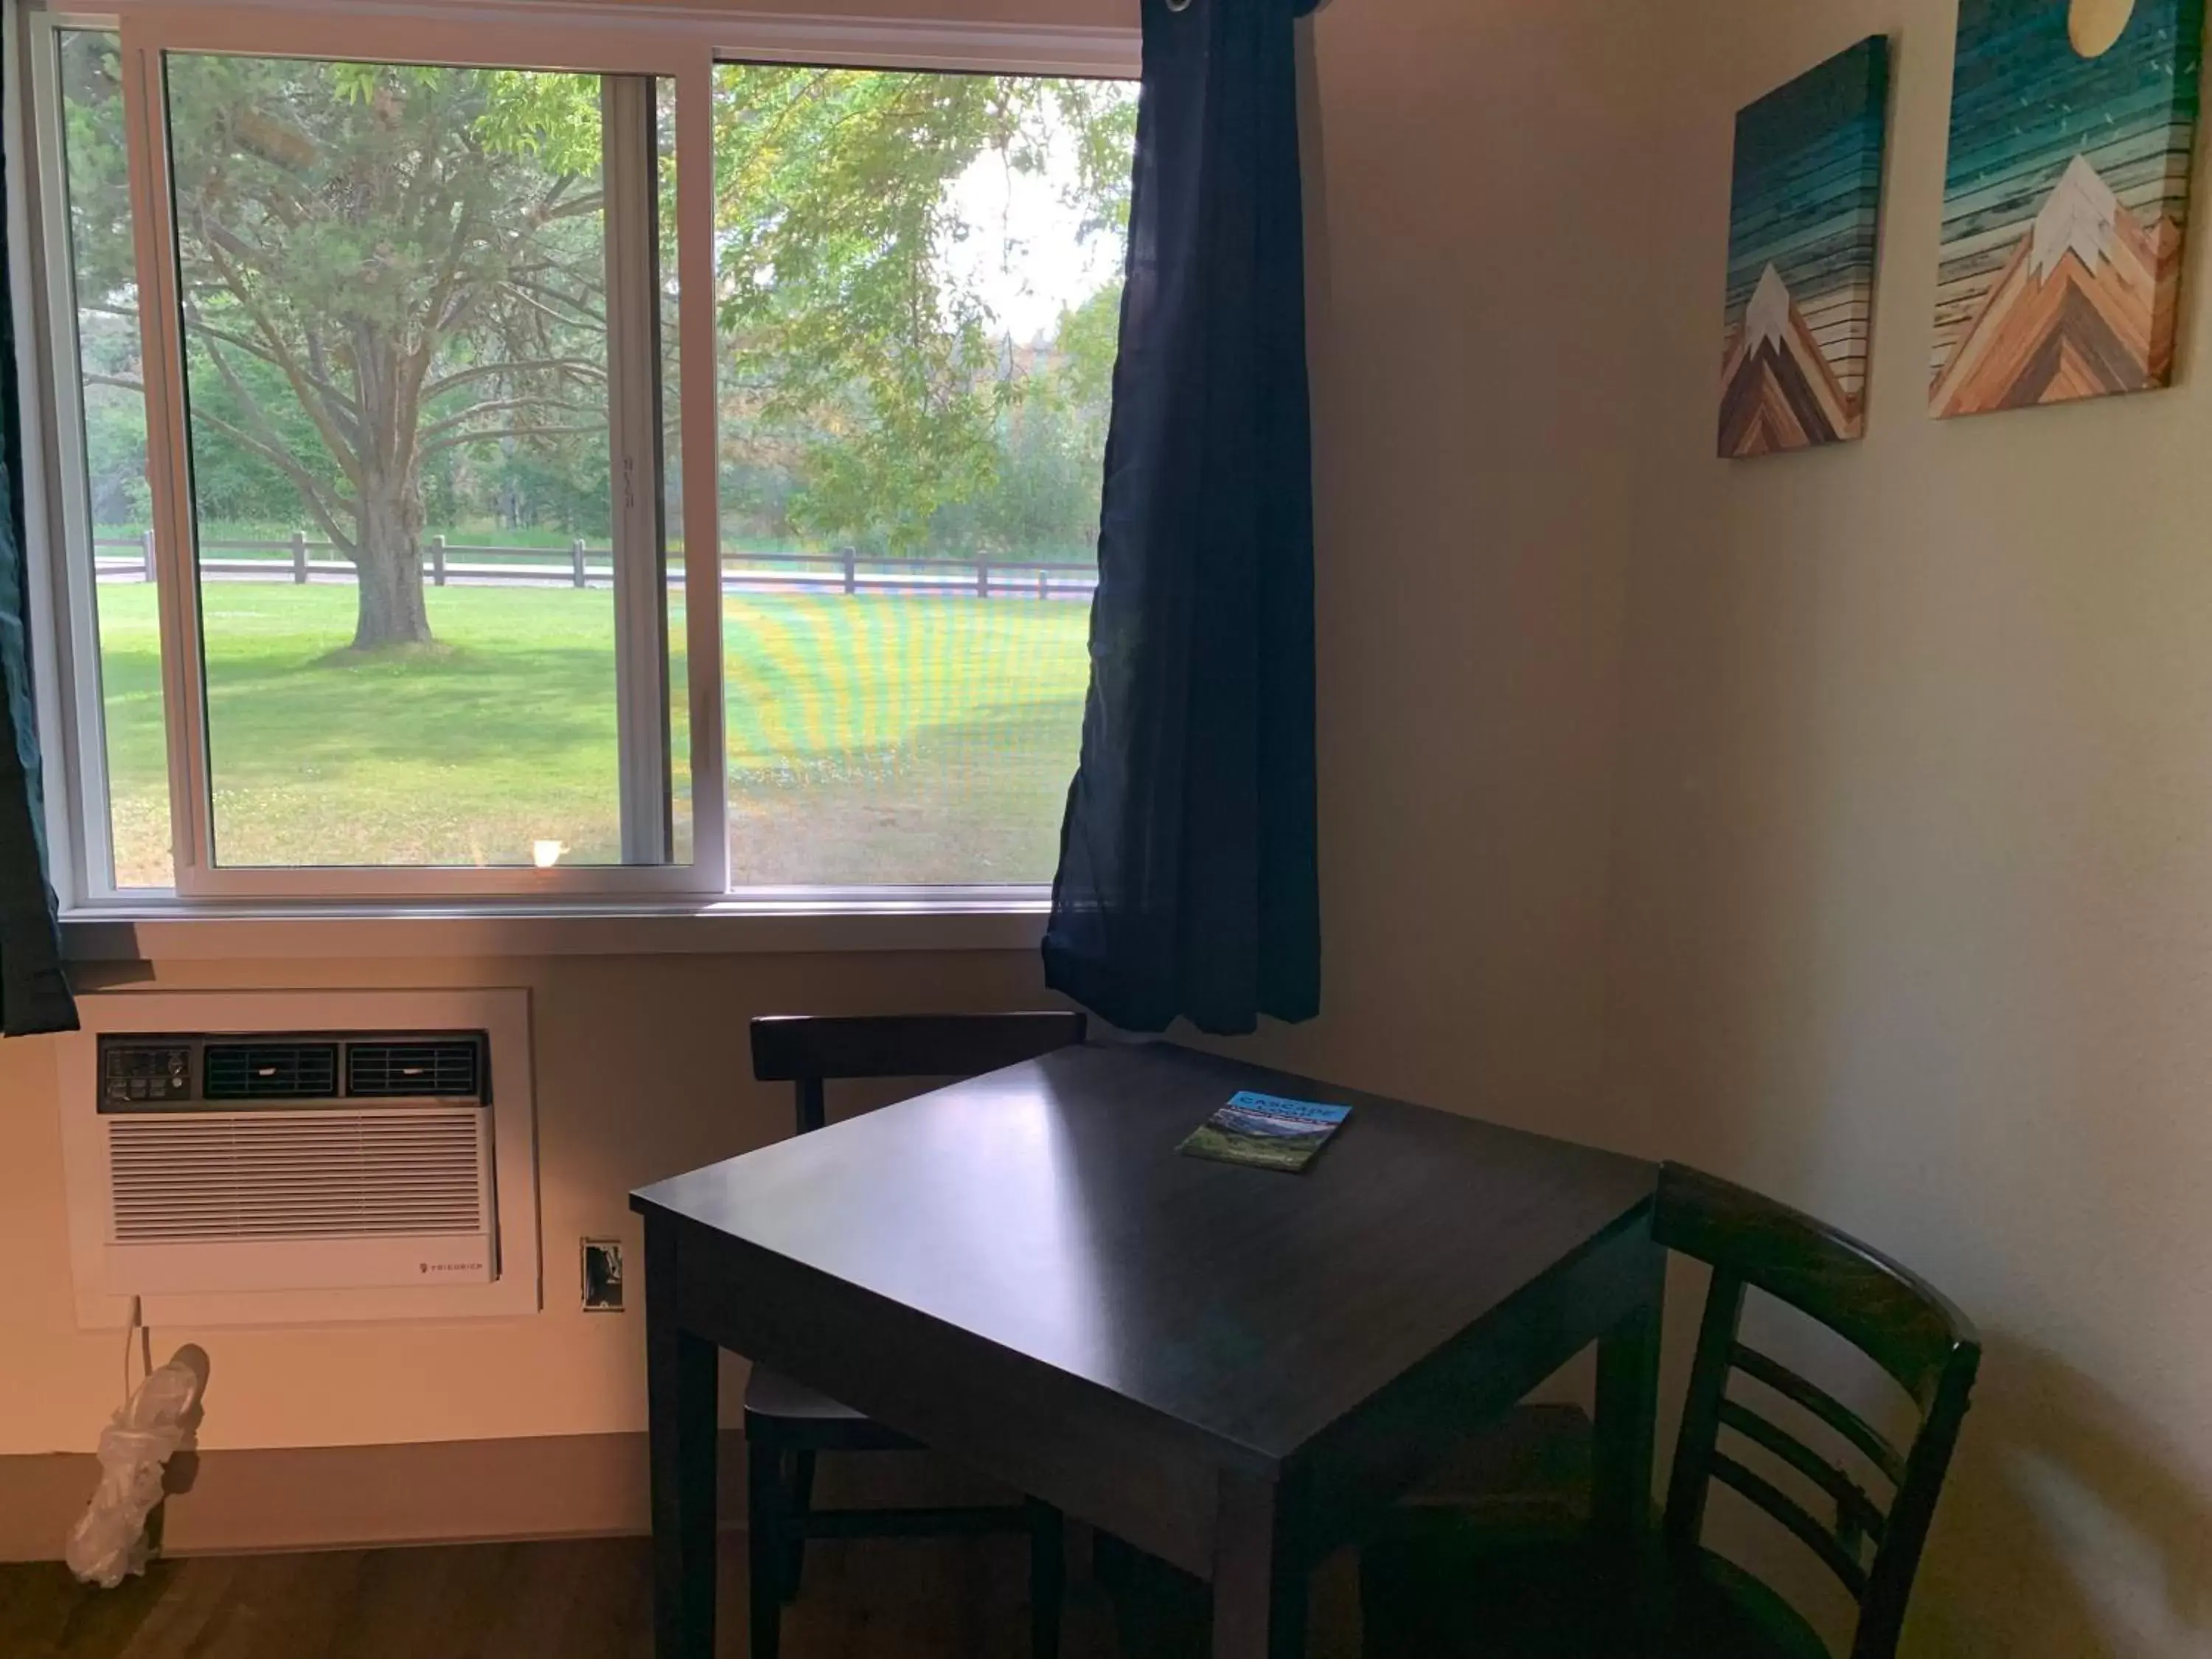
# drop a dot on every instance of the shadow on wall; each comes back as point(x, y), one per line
point(2066, 1530)
point(182, 1471)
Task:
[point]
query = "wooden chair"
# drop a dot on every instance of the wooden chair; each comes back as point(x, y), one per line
point(786, 1422)
point(1441, 1586)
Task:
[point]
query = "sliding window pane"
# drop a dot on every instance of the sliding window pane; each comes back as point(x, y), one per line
point(919, 294)
point(109, 519)
point(393, 282)
point(671, 470)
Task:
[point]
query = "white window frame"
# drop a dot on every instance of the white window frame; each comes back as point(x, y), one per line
point(684, 43)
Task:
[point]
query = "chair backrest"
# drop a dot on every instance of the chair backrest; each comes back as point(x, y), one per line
point(808, 1050)
point(1894, 1317)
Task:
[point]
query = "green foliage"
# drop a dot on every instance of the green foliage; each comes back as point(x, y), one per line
point(1090, 340)
point(108, 320)
point(552, 118)
point(847, 326)
point(99, 185)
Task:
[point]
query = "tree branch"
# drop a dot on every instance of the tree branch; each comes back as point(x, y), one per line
point(254, 349)
point(343, 447)
point(455, 422)
point(582, 204)
point(445, 383)
point(417, 370)
point(530, 294)
point(461, 438)
point(310, 489)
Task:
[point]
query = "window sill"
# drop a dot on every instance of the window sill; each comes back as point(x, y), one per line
point(167, 931)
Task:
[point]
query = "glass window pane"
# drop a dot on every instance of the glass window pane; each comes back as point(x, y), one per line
point(116, 511)
point(919, 295)
point(394, 283)
point(671, 468)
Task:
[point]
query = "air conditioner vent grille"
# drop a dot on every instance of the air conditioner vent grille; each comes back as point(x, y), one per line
point(441, 1068)
point(269, 1071)
point(328, 1174)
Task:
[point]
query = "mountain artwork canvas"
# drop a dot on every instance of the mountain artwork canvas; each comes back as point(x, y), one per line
point(2065, 196)
point(1804, 211)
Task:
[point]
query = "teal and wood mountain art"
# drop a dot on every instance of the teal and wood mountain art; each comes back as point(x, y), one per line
point(1804, 213)
point(2065, 195)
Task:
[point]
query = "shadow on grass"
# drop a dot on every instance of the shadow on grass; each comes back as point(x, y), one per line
point(973, 801)
point(353, 656)
point(1042, 730)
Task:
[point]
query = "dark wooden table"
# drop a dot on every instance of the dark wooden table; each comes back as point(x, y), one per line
point(1232, 1368)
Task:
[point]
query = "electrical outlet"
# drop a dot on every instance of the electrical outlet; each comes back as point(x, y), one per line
point(603, 1275)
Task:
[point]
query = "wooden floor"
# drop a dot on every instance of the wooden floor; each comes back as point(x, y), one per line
point(591, 1599)
point(894, 1599)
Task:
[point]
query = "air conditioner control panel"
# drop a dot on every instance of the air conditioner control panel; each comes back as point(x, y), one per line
point(144, 1071)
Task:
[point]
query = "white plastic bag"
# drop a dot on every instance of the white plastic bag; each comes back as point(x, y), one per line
point(109, 1541)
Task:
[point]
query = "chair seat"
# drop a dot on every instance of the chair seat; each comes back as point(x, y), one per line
point(1446, 1589)
point(771, 1394)
point(783, 1409)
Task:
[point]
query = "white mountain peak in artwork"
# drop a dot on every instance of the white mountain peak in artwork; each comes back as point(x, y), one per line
point(2077, 217)
point(1766, 318)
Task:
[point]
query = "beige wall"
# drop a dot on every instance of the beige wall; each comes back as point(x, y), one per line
point(642, 1071)
point(1912, 902)
point(1474, 450)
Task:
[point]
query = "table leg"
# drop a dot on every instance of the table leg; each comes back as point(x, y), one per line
point(1259, 1572)
point(680, 1382)
point(1048, 1577)
point(1628, 1410)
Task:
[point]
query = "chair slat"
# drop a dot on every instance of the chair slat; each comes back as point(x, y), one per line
point(1794, 1516)
point(1875, 1544)
point(1889, 1313)
point(1709, 1374)
point(793, 1046)
point(1854, 1510)
point(1825, 1406)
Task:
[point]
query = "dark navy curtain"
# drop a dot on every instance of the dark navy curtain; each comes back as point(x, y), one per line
point(1187, 879)
point(34, 995)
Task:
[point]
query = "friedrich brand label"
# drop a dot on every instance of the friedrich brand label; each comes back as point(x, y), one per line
point(435, 1269)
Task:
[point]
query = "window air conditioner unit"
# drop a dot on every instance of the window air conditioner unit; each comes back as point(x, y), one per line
point(282, 1171)
point(298, 1160)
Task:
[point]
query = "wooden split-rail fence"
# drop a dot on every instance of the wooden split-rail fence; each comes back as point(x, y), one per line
point(303, 559)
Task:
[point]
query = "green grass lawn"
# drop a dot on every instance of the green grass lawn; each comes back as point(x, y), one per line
point(872, 739)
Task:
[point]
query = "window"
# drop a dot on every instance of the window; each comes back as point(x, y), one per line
point(105, 502)
point(917, 329)
point(402, 410)
point(392, 287)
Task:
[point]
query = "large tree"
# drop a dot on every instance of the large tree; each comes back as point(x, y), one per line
point(378, 264)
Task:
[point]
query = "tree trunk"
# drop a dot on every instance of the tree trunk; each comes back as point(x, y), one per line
point(388, 564)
